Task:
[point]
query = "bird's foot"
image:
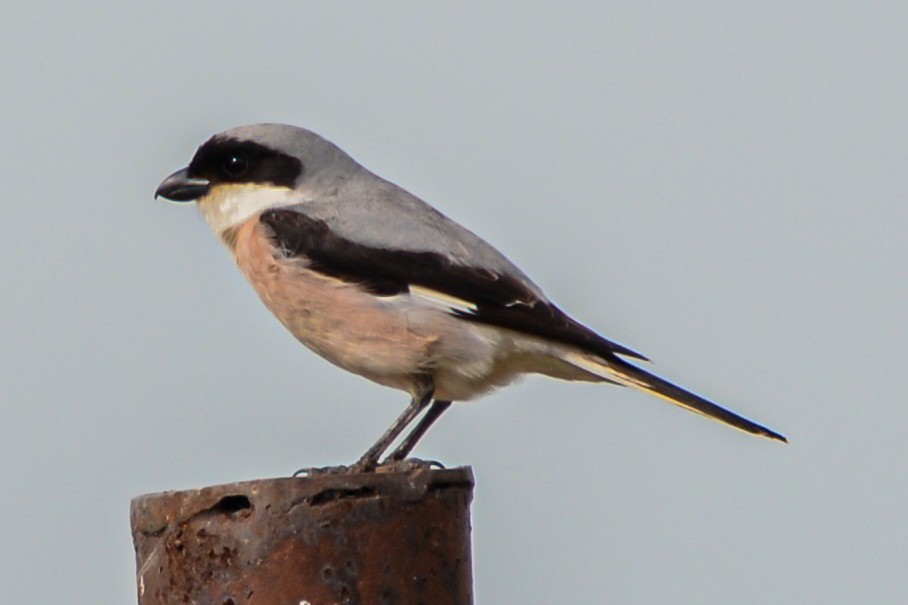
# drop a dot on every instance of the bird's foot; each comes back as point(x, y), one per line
point(365, 464)
point(369, 466)
point(408, 465)
point(317, 471)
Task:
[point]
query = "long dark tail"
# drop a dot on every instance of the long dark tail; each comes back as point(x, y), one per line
point(624, 373)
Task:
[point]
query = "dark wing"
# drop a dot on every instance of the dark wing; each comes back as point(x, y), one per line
point(499, 300)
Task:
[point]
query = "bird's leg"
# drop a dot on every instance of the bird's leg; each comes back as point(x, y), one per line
point(421, 397)
point(406, 446)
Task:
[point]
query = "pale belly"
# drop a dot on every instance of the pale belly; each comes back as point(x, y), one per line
point(389, 340)
point(381, 338)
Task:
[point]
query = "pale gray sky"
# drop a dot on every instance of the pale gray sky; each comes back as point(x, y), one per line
point(721, 186)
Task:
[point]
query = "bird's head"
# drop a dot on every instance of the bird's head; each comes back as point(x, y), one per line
point(240, 172)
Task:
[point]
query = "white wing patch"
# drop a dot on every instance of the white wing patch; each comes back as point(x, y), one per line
point(442, 300)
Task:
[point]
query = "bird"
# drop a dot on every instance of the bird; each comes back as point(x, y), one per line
point(383, 285)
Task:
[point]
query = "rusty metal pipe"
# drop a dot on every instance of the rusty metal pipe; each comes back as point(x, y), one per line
point(374, 538)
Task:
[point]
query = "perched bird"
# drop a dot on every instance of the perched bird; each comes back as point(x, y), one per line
point(382, 284)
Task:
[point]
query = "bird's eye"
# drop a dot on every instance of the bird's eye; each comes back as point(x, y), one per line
point(235, 165)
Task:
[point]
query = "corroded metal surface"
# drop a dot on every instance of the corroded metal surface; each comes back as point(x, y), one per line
point(373, 538)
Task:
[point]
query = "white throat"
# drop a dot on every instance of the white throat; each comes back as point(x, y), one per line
point(229, 206)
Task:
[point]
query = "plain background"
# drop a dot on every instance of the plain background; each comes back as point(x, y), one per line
point(718, 185)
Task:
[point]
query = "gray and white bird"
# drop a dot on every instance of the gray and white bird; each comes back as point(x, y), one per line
point(383, 285)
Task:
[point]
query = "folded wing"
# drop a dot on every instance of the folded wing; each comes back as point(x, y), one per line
point(497, 298)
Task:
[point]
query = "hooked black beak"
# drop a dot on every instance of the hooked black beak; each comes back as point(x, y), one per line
point(180, 187)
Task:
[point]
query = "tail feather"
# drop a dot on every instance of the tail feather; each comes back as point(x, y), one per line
point(624, 373)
